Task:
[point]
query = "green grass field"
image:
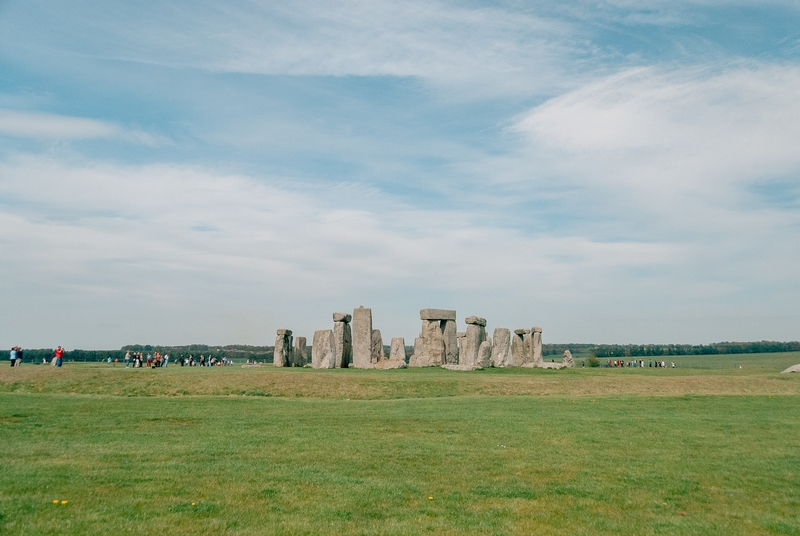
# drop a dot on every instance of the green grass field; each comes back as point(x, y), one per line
point(695, 450)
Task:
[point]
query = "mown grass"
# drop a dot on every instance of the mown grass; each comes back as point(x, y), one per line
point(313, 462)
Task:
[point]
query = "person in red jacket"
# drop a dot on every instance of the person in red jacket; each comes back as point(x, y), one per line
point(59, 356)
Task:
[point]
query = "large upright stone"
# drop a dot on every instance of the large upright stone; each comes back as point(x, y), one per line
point(432, 344)
point(501, 349)
point(484, 355)
point(415, 358)
point(362, 338)
point(462, 337)
point(343, 338)
point(282, 354)
point(398, 348)
point(528, 354)
point(323, 351)
point(437, 314)
point(377, 347)
point(537, 345)
point(450, 341)
point(476, 334)
point(300, 352)
point(567, 360)
point(518, 346)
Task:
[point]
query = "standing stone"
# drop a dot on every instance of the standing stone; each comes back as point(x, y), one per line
point(528, 353)
point(415, 358)
point(432, 344)
point(450, 341)
point(484, 355)
point(398, 348)
point(567, 360)
point(377, 346)
point(501, 350)
point(323, 351)
point(343, 338)
point(362, 338)
point(476, 334)
point(300, 352)
point(518, 347)
point(282, 354)
point(537, 345)
point(462, 355)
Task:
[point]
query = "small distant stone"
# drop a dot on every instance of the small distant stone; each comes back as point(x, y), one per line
point(794, 368)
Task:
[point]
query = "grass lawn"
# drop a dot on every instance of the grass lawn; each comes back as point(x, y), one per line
point(282, 451)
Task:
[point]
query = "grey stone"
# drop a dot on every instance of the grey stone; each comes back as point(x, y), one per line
point(545, 364)
point(343, 338)
point(323, 351)
point(793, 368)
point(484, 354)
point(475, 320)
point(518, 348)
point(282, 354)
point(567, 360)
point(521, 331)
point(462, 337)
point(432, 344)
point(476, 334)
point(450, 341)
point(536, 345)
point(342, 317)
point(527, 355)
point(501, 349)
point(300, 352)
point(398, 349)
point(362, 338)
point(391, 364)
point(377, 347)
point(437, 314)
point(413, 361)
point(466, 368)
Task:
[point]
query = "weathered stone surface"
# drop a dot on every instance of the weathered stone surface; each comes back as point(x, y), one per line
point(397, 350)
point(527, 353)
point(342, 317)
point(461, 367)
point(362, 338)
point(282, 355)
point(484, 354)
point(475, 320)
point(437, 314)
point(377, 346)
point(521, 331)
point(501, 349)
point(343, 338)
point(536, 345)
point(256, 365)
point(567, 360)
point(432, 344)
point(518, 347)
point(323, 351)
point(793, 368)
point(450, 341)
point(300, 352)
point(476, 334)
point(391, 364)
point(544, 364)
point(413, 361)
point(461, 336)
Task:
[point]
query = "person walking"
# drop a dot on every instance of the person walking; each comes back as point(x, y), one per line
point(13, 356)
point(59, 356)
point(127, 358)
point(19, 357)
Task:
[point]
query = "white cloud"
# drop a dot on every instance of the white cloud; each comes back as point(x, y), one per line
point(39, 125)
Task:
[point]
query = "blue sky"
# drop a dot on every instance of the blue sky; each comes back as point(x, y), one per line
point(211, 171)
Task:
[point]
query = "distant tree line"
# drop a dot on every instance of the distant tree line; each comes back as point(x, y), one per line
point(654, 350)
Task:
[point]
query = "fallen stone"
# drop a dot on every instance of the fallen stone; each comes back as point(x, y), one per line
point(377, 347)
point(323, 351)
point(475, 320)
point(255, 365)
point(391, 364)
point(461, 367)
point(342, 317)
point(397, 350)
point(484, 355)
point(437, 314)
point(501, 349)
point(300, 352)
point(544, 364)
point(793, 368)
point(362, 338)
point(343, 338)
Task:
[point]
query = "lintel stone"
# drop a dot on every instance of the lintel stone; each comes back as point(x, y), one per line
point(437, 314)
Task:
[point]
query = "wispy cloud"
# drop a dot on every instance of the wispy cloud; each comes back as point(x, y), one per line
point(39, 125)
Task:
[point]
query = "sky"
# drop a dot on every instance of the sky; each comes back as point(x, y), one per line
point(208, 172)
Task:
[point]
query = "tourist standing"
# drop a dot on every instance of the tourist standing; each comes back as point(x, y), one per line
point(19, 357)
point(13, 356)
point(127, 358)
point(59, 356)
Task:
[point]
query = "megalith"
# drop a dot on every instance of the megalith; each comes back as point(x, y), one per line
point(415, 358)
point(323, 351)
point(462, 337)
point(567, 360)
point(432, 344)
point(377, 347)
point(343, 338)
point(501, 349)
point(300, 352)
point(536, 344)
point(282, 354)
point(439, 341)
point(476, 334)
point(362, 338)
point(398, 348)
point(518, 347)
point(484, 355)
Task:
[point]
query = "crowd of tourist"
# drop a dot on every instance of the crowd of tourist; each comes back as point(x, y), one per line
point(156, 360)
point(638, 363)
